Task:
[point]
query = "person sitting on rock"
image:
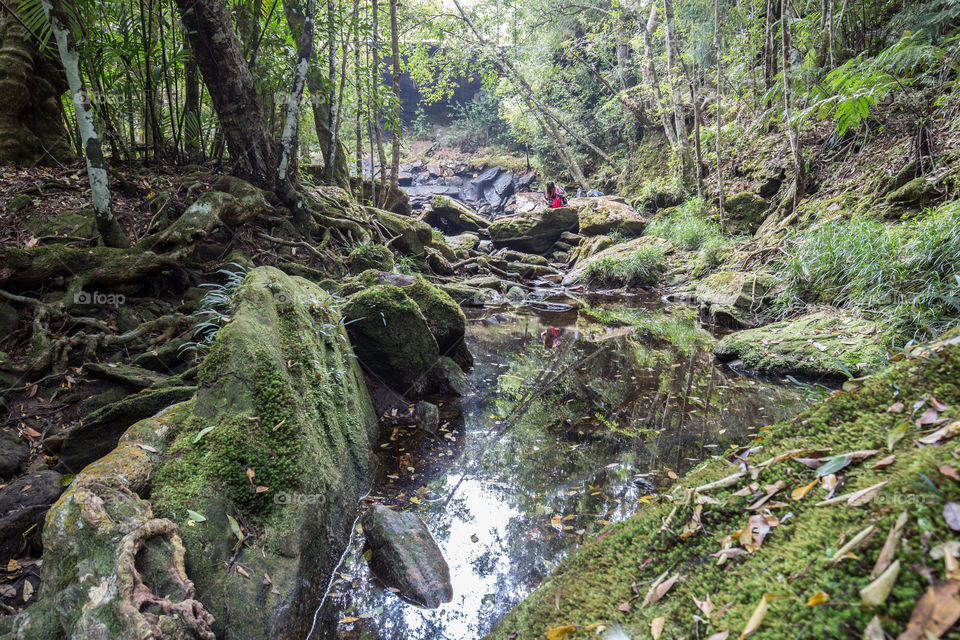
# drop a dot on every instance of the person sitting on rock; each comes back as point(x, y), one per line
point(555, 196)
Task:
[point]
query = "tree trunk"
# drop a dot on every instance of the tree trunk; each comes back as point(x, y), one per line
point(395, 49)
point(107, 224)
point(32, 129)
point(566, 157)
point(331, 152)
point(788, 122)
point(375, 80)
point(652, 78)
point(696, 131)
point(290, 137)
point(191, 109)
point(359, 80)
point(683, 143)
point(232, 89)
point(770, 44)
point(716, 49)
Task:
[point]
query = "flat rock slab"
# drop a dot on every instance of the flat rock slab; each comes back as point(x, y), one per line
point(406, 557)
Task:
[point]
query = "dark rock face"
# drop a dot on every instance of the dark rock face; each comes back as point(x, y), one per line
point(23, 505)
point(533, 232)
point(406, 557)
point(14, 452)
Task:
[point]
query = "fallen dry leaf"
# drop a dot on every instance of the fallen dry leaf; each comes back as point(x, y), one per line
point(660, 587)
point(935, 612)
point(561, 633)
point(875, 593)
point(756, 619)
point(890, 546)
point(883, 464)
point(801, 492)
point(951, 513)
point(817, 599)
point(896, 407)
point(874, 631)
point(706, 605)
point(852, 544)
point(949, 471)
point(656, 627)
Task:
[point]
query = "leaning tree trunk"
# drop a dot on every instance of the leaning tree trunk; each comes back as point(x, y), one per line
point(716, 48)
point(290, 138)
point(650, 75)
point(232, 89)
point(107, 224)
point(788, 121)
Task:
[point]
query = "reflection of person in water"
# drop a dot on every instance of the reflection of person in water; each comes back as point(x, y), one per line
point(551, 337)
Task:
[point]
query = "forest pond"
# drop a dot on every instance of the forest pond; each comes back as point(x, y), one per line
point(572, 421)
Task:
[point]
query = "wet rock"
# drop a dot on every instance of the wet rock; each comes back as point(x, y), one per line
point(817, 345)
point(452, 216)
point(426, 415)
point(464, 295)
point(23, 505)
point(745, 212)
point(533, 232)
point(406, 557)
point(602, 215)
point(735, 297)
point(14, 453)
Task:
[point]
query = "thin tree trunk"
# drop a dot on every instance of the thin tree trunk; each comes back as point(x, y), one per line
point(107, 224)
point(191, 108)
point(329, 169)
point(696, 130)
point(566, 157)
point(716, 49)
point(375, 84)
point(683, 144)
point(651, 77)
point(395, 49)
point(770, 45)
point(788, 120)
point(359, 81)
point(232, 89)
point(289, 139)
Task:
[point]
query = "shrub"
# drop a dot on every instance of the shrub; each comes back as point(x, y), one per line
point(690, 227)
point(908, 274)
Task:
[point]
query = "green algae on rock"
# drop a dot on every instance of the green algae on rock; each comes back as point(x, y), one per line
point(533, 232)
point(636, 262)
point(826, 344)
point(735, 297)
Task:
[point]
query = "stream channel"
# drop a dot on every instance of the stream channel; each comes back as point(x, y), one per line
point(558, 435)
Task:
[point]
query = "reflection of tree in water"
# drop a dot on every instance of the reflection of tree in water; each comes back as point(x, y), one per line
point(560, 437)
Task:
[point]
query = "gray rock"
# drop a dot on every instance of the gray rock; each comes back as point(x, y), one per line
point(9, 319)
point(406, 557)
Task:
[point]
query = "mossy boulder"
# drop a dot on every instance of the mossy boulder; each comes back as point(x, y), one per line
point(452, 216)
point(463, 242)
point(18, 203)
point(796, 559)
point(601, 215)
point(391, 337)
point(9, 319)
point(735, 297)
point(745, 212)
point(409, 234)
point(617, 254)
point(370, 256)
point(250, 200)
point(589, 247)
point(533, 232)
point(278, 438)
point(445, 319)
point(826, 344)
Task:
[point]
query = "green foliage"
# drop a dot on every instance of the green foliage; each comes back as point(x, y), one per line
point(689, 227)
point(908, 274)
point(642, 267)
point(477, 123)
point(850, 91)
point(215, 308)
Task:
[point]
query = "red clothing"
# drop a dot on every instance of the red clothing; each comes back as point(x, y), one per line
point(557, 202)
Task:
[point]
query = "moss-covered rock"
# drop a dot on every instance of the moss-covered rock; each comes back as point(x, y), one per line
point(277, 438)
point(18, 203)
point(682, 532)
point(735, 297)
point(452, 216)
point(463, 242)
point(445, 319)
point(391, 336)
point(618, 258)
point(250, 201)
point(410, 234)
point(745, 212)
point(827, 344)
point(70, 224)
point(602, 215)
point(533, 232)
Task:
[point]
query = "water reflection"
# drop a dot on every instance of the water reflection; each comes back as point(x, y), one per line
point(573, 419)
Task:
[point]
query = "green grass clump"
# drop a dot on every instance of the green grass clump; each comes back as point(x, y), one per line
point(642, 267)
point(690, 227)
point(908, 274)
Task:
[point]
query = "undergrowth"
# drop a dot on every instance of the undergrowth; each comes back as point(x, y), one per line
point(689, 227)
point(908, 274)
point(642, 267)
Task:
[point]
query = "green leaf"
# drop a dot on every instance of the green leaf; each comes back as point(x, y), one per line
point(66, 480)
point(234, 526)
point(834, 465)
point(196, 517)
point(202, 433)
point(896, 434)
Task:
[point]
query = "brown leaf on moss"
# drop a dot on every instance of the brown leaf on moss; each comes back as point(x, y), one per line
point(935, 612)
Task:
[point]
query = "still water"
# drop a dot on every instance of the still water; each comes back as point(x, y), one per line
point(571, 422)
